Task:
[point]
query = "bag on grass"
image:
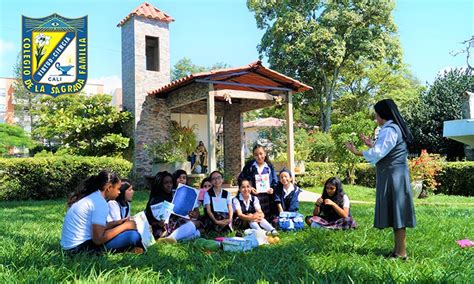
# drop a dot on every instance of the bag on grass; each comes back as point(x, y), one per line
point(289, 221)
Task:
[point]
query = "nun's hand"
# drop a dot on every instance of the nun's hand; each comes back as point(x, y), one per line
point(367, 140)
point(353, 149)
point(350, 146)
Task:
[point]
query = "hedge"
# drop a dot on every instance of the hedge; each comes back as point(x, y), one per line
point(456, 178)
point(52, 177)
point(317, 173)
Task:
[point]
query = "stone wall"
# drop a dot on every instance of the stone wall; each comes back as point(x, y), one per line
point(153, 127)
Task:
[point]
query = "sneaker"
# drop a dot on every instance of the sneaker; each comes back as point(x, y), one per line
point(137, 250)
point(167, 241)
point(272, 233)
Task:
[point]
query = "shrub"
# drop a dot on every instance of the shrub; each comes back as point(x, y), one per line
point(52, 177)
point(322, 146)
point(180, 144)
point(365, 174)
point(426, 168)
point(317, 173)
point(457, 178)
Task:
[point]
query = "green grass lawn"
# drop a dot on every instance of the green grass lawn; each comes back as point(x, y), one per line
point(30, 251)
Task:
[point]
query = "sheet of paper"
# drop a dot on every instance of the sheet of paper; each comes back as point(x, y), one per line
point(184, 200)
point(144, 229)
point(202, 192)
point(262, 183)
point(162, 211)
point(220, 204)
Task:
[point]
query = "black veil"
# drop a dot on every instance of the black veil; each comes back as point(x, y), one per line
point(388, 110)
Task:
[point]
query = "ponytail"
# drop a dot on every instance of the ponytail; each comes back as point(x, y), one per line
point(91, 185)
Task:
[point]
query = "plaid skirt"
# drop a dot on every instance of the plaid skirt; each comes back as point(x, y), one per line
point(267, 205)
point(173, 223)
point(239, 224)
point(209, 225)
point(339, 224)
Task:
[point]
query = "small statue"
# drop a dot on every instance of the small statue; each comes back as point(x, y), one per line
point(200, 159)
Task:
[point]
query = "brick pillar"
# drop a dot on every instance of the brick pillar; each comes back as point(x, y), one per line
point(233, 140)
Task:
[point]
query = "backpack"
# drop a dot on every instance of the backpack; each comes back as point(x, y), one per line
point(289, 221)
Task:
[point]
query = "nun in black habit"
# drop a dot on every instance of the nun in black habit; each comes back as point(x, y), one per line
point(394, 202)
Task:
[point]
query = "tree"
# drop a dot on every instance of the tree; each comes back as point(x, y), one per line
point(362, 89)
point(81, 125)
point(319, 42)
point(348, 130)
point(469, 43)
point(13, 136)
point(185, 67)
point(441, 102)
point(25, 102)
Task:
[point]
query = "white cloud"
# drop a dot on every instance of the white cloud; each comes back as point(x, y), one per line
point(110, 83)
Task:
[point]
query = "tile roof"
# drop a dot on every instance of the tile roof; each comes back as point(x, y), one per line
point(243, 78)
point(147, 10)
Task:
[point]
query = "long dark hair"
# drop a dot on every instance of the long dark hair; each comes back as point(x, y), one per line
point(126, 184)
point(267, 159)
point(158, 183)
point(92, 184)
point(338, 197)
point(206, 179)
point(239, 183)
point(176, 175)
point(326, 210)
point(157, 194)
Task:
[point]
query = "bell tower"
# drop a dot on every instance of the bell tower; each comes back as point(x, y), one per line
point(145, 56)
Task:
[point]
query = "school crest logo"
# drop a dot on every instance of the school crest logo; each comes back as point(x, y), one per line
point(54, 54)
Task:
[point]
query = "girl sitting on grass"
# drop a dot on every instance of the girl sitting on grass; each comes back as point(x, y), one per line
point(85, 227)
point(177, 228)
point(120, 208)
point(179, 176)
point(217, 205)
point(247, 210)
point(332, 209)
point(286, 193)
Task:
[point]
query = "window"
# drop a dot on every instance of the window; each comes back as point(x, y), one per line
point(152, 54)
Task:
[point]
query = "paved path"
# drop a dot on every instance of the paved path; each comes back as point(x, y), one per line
point(308, 196)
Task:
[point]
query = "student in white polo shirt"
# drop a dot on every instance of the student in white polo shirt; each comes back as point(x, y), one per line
point(85, 227)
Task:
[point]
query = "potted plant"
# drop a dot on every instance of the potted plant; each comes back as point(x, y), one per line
point(423, 172)
point(172, 155)
point(229, 180)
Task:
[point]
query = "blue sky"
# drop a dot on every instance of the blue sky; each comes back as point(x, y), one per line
point(211, 31)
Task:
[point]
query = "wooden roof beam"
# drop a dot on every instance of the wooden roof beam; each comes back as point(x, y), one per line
point(243, 85)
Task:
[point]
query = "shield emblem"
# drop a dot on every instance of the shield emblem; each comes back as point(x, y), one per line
point(54, 54)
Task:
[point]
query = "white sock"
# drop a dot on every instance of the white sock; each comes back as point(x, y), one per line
point(266, 226)
point(254, 225)
point(184, 231)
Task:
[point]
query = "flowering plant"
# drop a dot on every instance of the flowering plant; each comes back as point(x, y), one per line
point(42, 41)
point(426, 167)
